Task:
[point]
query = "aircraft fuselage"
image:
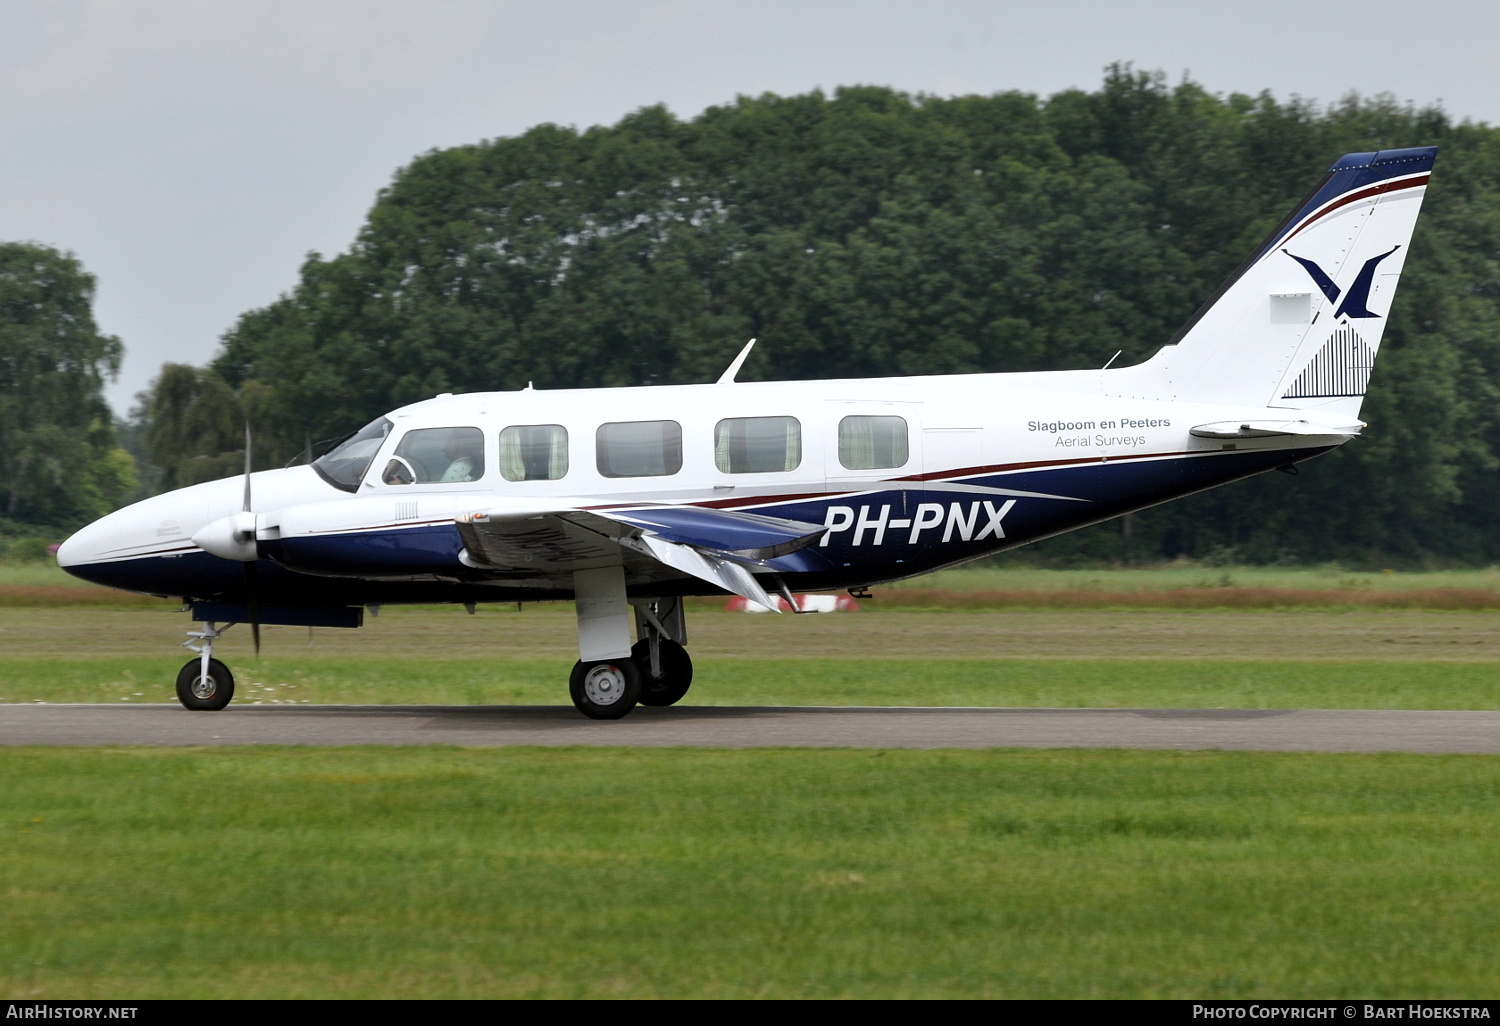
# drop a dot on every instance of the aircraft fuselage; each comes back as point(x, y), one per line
point(990, 462)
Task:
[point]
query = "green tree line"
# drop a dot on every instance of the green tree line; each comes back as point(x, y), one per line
point(871, 232)
point(60, 464)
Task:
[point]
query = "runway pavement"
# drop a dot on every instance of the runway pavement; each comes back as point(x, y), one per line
point(1325, 730)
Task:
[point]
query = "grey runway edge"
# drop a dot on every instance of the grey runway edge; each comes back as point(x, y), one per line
point(1320, 730)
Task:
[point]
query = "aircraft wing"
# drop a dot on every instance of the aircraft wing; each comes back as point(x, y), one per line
point(1274, 428)
point(657, 543)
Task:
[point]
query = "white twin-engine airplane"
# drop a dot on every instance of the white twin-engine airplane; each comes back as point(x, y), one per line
point(625, 500)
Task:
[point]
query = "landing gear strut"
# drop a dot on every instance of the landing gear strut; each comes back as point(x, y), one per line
point(204, 683)
point(673, 673)
point(666, 668)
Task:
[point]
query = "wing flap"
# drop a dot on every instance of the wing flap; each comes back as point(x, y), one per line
point(732, 577)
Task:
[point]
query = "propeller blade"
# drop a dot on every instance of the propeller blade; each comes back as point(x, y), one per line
point(252, 575)
point(247, 466)
point(252, 600)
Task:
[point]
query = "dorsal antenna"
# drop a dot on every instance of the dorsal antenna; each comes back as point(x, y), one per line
point(727, 378)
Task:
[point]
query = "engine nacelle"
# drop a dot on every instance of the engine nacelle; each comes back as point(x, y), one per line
point(231, 537)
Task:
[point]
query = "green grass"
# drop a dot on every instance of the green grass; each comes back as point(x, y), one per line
point(1367, 659)
point(1171, 585)
point(138, 873)
point(1050, 683)
point(41, 573)
point(1186, 574)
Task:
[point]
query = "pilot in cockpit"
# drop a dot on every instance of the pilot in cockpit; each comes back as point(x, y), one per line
point(464, 455)
point(437, 455)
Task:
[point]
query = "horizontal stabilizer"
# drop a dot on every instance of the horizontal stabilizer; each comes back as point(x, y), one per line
point(1274, 428)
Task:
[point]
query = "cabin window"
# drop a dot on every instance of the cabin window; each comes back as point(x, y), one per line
point(872, 443)
point(757, 445)
point(345, 464)
point(534, 452)
point(641, 448)
point(447, 455)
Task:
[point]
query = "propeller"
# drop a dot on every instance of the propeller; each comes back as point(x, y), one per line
point(252, 581)
point(233, 537)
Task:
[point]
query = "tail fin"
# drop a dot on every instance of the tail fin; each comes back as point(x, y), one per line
point(1299, 324)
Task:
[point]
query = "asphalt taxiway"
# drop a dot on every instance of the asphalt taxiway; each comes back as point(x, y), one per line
point(1322, 730)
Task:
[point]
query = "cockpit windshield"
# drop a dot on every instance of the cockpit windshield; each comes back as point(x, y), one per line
point(344, 465)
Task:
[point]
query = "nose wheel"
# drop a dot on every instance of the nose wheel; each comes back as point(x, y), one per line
point(203, 688)
point(204, 683)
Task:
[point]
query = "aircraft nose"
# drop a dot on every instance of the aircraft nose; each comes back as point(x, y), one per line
point(84, 546)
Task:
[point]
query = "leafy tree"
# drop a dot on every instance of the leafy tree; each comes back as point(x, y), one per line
point(194, 426)
point(59, 464)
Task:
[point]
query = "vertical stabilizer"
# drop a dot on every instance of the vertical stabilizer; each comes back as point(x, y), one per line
point(1299, 324)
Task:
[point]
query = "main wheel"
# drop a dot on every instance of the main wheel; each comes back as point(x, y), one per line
point(196, 691)
point(607, 689)
point(668, 687)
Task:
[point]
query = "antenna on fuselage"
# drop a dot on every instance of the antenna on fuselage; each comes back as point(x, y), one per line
point(727, 378)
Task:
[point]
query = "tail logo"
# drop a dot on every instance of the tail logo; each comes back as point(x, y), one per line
point(1357, 299)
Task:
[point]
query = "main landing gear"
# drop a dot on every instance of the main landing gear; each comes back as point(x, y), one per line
point(605, 689)
point(204, 682)
point(611, 676)
point(657, 672)
point(666, 669)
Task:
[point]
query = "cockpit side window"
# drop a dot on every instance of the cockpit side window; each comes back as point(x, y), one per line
point(345, 464)
point(448, 455)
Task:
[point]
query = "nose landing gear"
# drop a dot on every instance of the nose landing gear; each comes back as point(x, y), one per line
point(204, 683)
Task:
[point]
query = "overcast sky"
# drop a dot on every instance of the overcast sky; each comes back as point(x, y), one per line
point(192, 153)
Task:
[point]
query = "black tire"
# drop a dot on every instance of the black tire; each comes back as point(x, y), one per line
point(676, 672)
point(214, 693)
point(605, 689)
